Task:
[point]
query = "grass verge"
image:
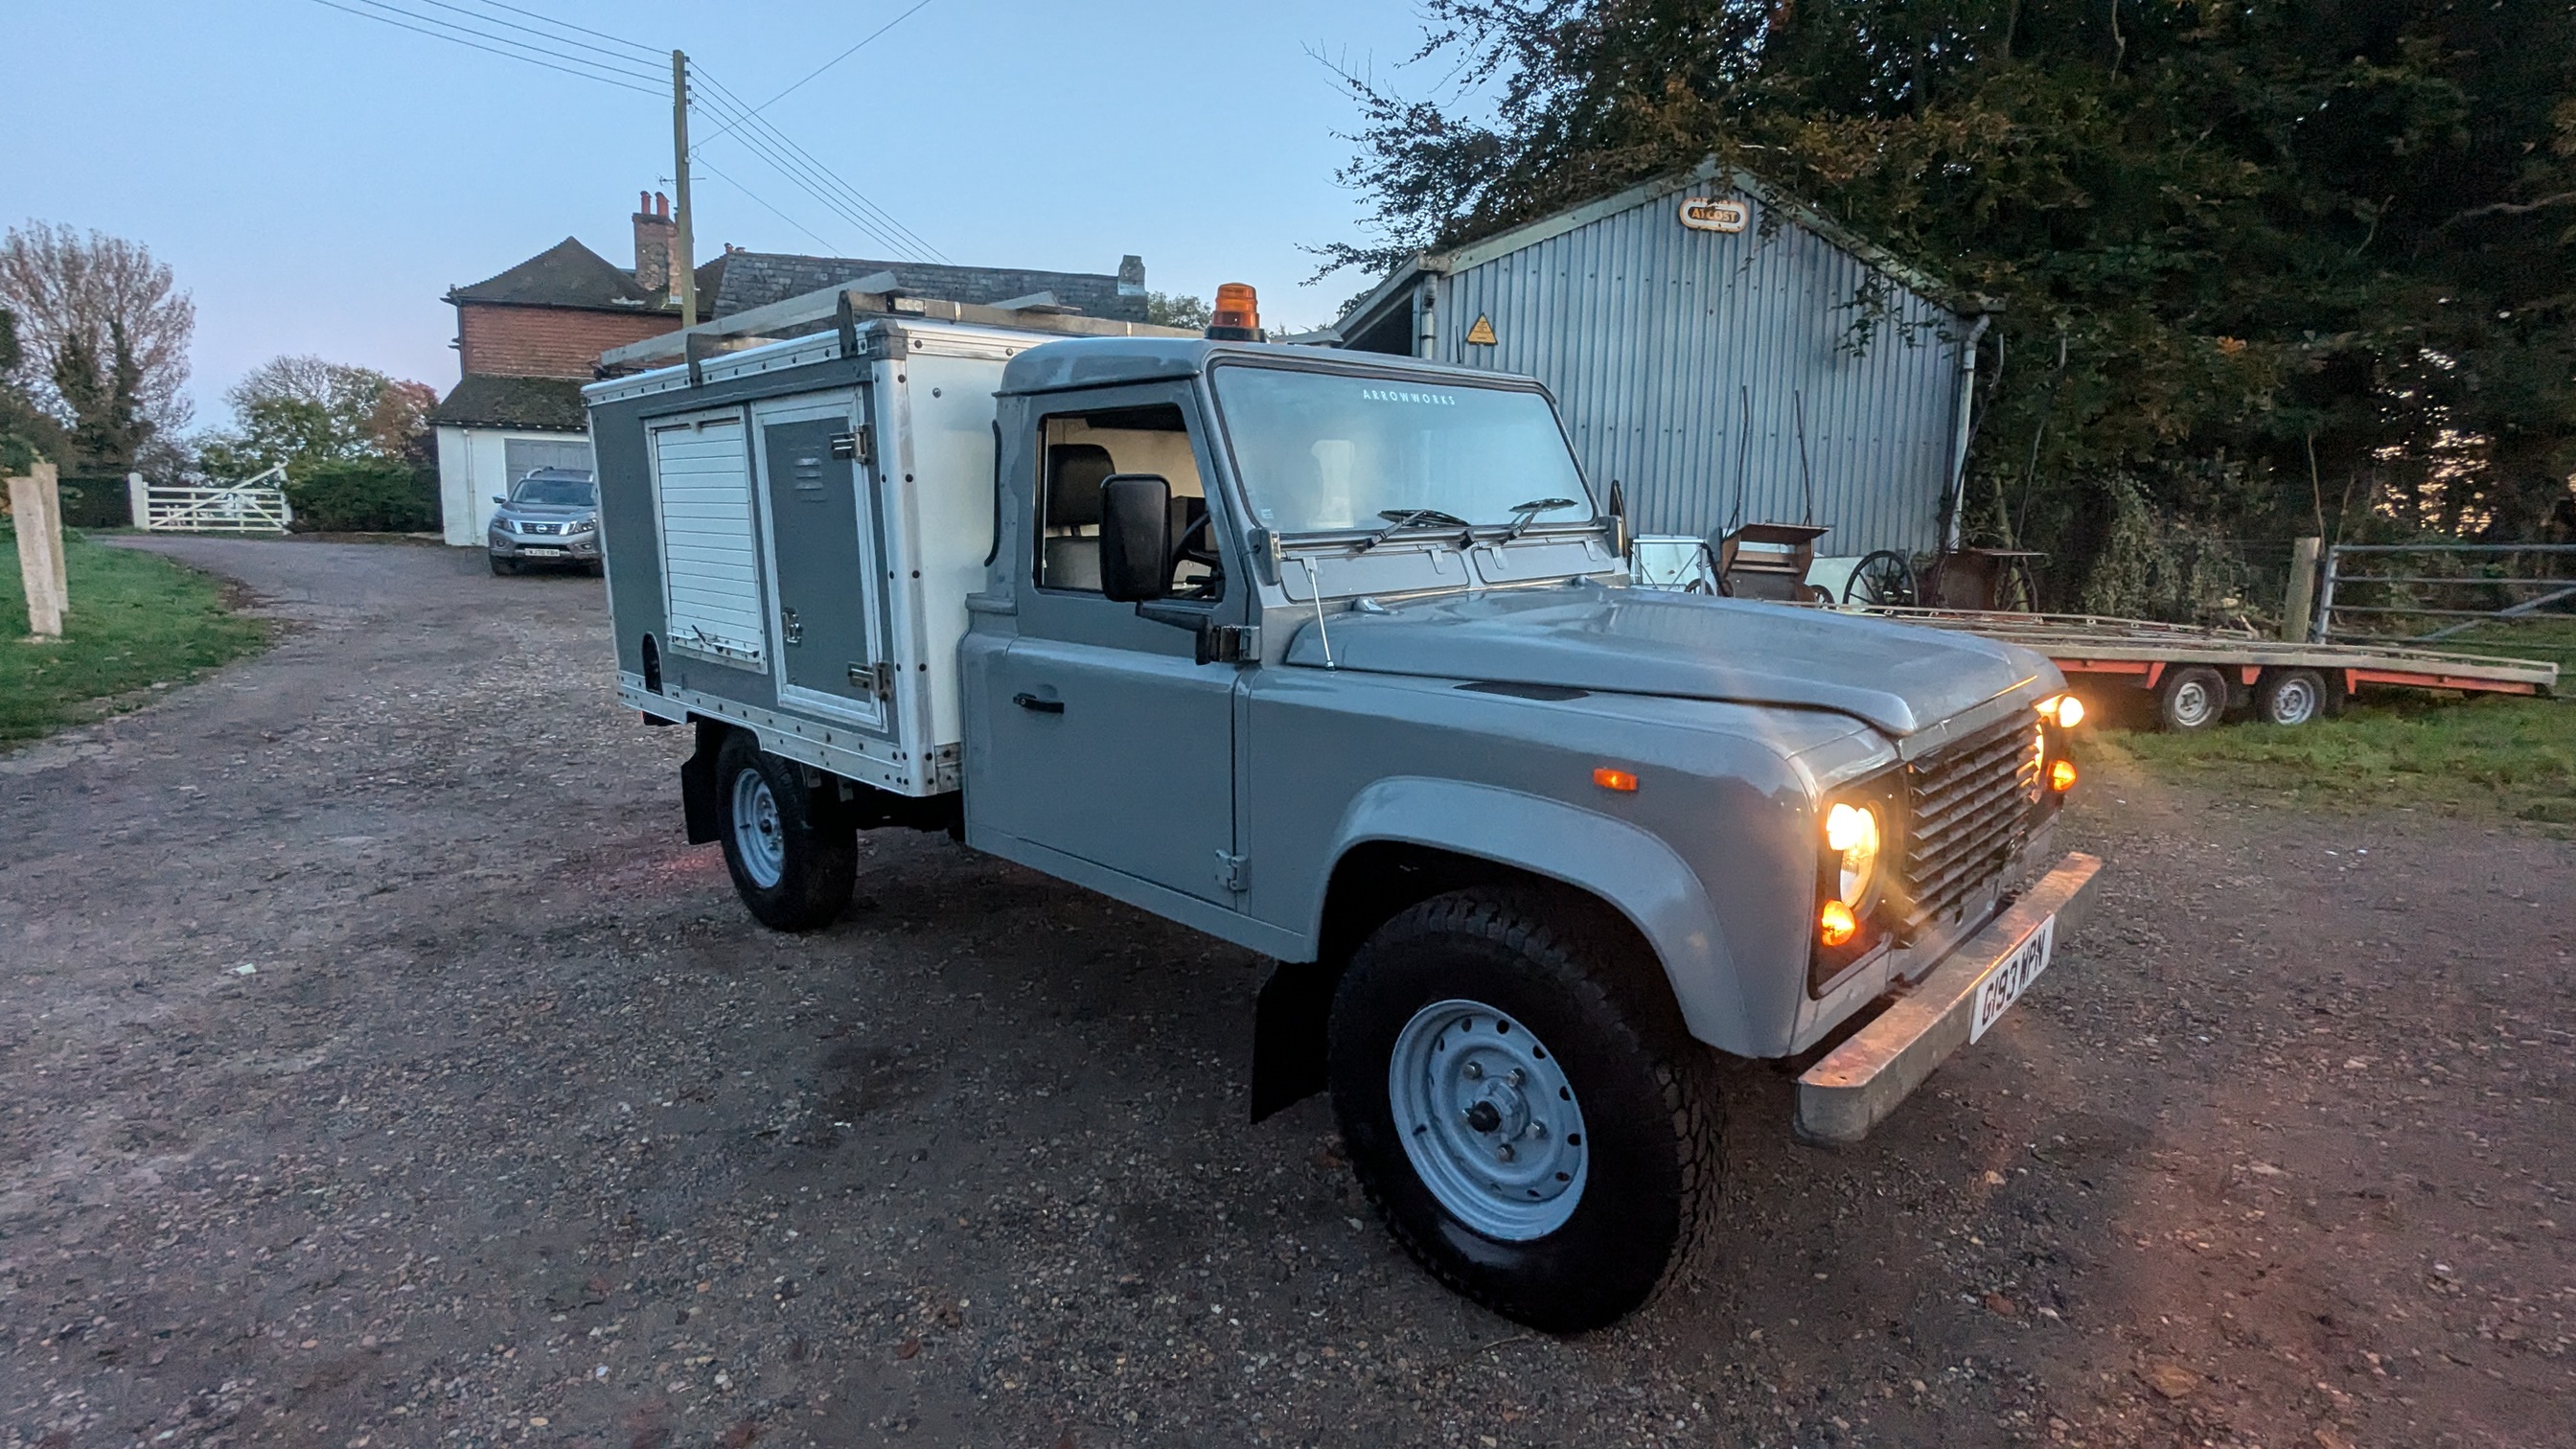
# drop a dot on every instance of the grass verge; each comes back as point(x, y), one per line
point(136, 620)
point(2478, 756)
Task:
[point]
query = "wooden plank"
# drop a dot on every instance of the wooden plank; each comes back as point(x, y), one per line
point(39, 551)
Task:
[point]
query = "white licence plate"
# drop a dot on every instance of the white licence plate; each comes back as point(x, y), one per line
point(538, 548)
point(1997, 993)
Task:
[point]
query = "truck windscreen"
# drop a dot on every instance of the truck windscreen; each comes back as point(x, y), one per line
point(1320, 451)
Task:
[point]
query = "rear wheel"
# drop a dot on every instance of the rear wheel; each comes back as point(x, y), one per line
point(2192, 697)
point(793, 869)
point(1523, 1106)
point(2290, 697)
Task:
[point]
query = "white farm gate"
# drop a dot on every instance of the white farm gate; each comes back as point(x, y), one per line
point(254, 505)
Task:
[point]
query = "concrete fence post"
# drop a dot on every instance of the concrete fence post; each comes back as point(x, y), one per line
point(138, 499)
point(2298, 611)
point(35, 504)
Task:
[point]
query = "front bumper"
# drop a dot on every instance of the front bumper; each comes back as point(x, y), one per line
point(1859, 1082)
point(577, 548)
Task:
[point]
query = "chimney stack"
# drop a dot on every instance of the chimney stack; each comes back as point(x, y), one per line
point(656, 236)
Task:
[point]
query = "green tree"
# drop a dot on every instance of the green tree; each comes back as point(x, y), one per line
point(303, 412)
point(1175, 309)
point(104, 398)
point(2269, 266)
point(27, 433)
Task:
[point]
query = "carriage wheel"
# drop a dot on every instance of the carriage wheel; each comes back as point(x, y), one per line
point(1881, 580)
point(2015, 591)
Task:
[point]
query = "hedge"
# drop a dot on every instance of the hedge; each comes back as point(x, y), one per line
point(364, 495)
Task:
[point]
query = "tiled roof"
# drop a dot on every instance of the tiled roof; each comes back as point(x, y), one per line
point(566, 274)
point(542, 404)
point(756, 279)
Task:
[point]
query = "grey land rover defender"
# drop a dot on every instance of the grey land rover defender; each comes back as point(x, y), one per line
point(1335, 657)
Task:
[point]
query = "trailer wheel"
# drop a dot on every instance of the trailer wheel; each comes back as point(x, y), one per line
point(792, 869)
point(2290, 696)
point(2192, 697)
point(1523, 1106)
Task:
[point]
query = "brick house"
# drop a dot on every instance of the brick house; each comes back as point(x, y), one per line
point(527, 339)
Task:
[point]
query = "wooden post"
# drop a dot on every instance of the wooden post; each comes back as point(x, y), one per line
point(36, 507)
point(138, 499)
point(2299, 611)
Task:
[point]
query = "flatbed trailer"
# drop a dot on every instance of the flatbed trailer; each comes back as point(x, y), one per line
point(2198, 673)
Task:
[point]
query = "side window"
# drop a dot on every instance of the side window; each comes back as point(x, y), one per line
point(1079, 452)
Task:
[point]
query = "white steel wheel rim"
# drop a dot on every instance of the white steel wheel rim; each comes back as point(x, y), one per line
point(2191, 703)
point(2294, 701)
point(1488, 1120)
point(759, 841)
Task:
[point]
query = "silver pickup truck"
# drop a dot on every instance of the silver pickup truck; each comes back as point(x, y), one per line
point(1335, 657)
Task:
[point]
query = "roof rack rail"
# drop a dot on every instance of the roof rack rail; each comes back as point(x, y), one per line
point(869, 296)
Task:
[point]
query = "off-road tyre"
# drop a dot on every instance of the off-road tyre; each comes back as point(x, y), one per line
point(503, 568)
point(2193, 697)
point(817, 858)
point(1647, 1092)
point(2292, 697)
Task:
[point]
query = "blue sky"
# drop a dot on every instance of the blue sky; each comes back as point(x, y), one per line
point(318, 180)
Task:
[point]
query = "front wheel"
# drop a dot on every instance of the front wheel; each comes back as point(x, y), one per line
point(1523, 1106)
point(793, 869)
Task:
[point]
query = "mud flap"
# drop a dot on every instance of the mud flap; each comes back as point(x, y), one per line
point(1290, 1036)
point(698, 801)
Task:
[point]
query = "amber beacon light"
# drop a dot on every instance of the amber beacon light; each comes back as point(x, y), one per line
point(1237, 314)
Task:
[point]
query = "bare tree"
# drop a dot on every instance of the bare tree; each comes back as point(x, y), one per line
point(66, 286)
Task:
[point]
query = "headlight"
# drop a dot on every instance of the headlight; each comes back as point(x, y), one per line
point(2064, 710)
point(1853, 832)
point(502, 525)
point(581, 525)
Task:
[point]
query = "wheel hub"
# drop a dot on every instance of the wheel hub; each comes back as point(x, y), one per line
point(759, 838)
point(1488, 1120)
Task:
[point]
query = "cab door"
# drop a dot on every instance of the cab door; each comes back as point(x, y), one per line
point(821, 500)
point(1108, 743)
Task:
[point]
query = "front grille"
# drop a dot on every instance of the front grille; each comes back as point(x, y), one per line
point(1969, 809)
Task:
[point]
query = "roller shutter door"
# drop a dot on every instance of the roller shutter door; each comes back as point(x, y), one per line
point(710, 559)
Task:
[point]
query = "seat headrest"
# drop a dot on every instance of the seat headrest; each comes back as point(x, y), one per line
point(1075, 472)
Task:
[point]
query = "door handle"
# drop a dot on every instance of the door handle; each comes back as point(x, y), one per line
point(1035, 705)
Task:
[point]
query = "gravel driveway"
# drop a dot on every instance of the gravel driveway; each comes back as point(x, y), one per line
point(381, 1069)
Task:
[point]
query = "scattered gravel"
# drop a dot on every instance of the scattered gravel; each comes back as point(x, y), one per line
point(383, 1070)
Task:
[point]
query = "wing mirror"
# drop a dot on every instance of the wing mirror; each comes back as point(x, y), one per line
point(1135, 537)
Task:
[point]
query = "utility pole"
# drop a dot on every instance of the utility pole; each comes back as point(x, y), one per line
point(686, 263)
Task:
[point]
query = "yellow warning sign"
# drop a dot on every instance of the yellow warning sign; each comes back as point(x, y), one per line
point(1482, 334)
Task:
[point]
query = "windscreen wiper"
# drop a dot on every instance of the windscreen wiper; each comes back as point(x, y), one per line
point(1525, 514)
point(1399, 519)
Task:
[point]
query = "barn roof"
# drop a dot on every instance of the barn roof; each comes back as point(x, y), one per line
point(1372, 310)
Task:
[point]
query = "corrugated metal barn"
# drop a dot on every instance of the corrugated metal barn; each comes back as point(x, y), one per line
point(1664, 316)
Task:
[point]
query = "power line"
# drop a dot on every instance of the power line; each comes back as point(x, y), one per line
point(556, 40)
point(869, 216)
point(720, 174)
point(450, 29)
point(567, 67)
point(818, 188)
point(827, 65)
point(568, 25)
point(769, 142)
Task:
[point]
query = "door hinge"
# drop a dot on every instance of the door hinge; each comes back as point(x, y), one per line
point(790, 628)
point(874, 681)
point(1229, 643)
point(855, 445)
point(1233, 872)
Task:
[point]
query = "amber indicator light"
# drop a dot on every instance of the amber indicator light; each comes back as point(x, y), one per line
point(1610, 779)
point(2061, 776)
point(1836, 925)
